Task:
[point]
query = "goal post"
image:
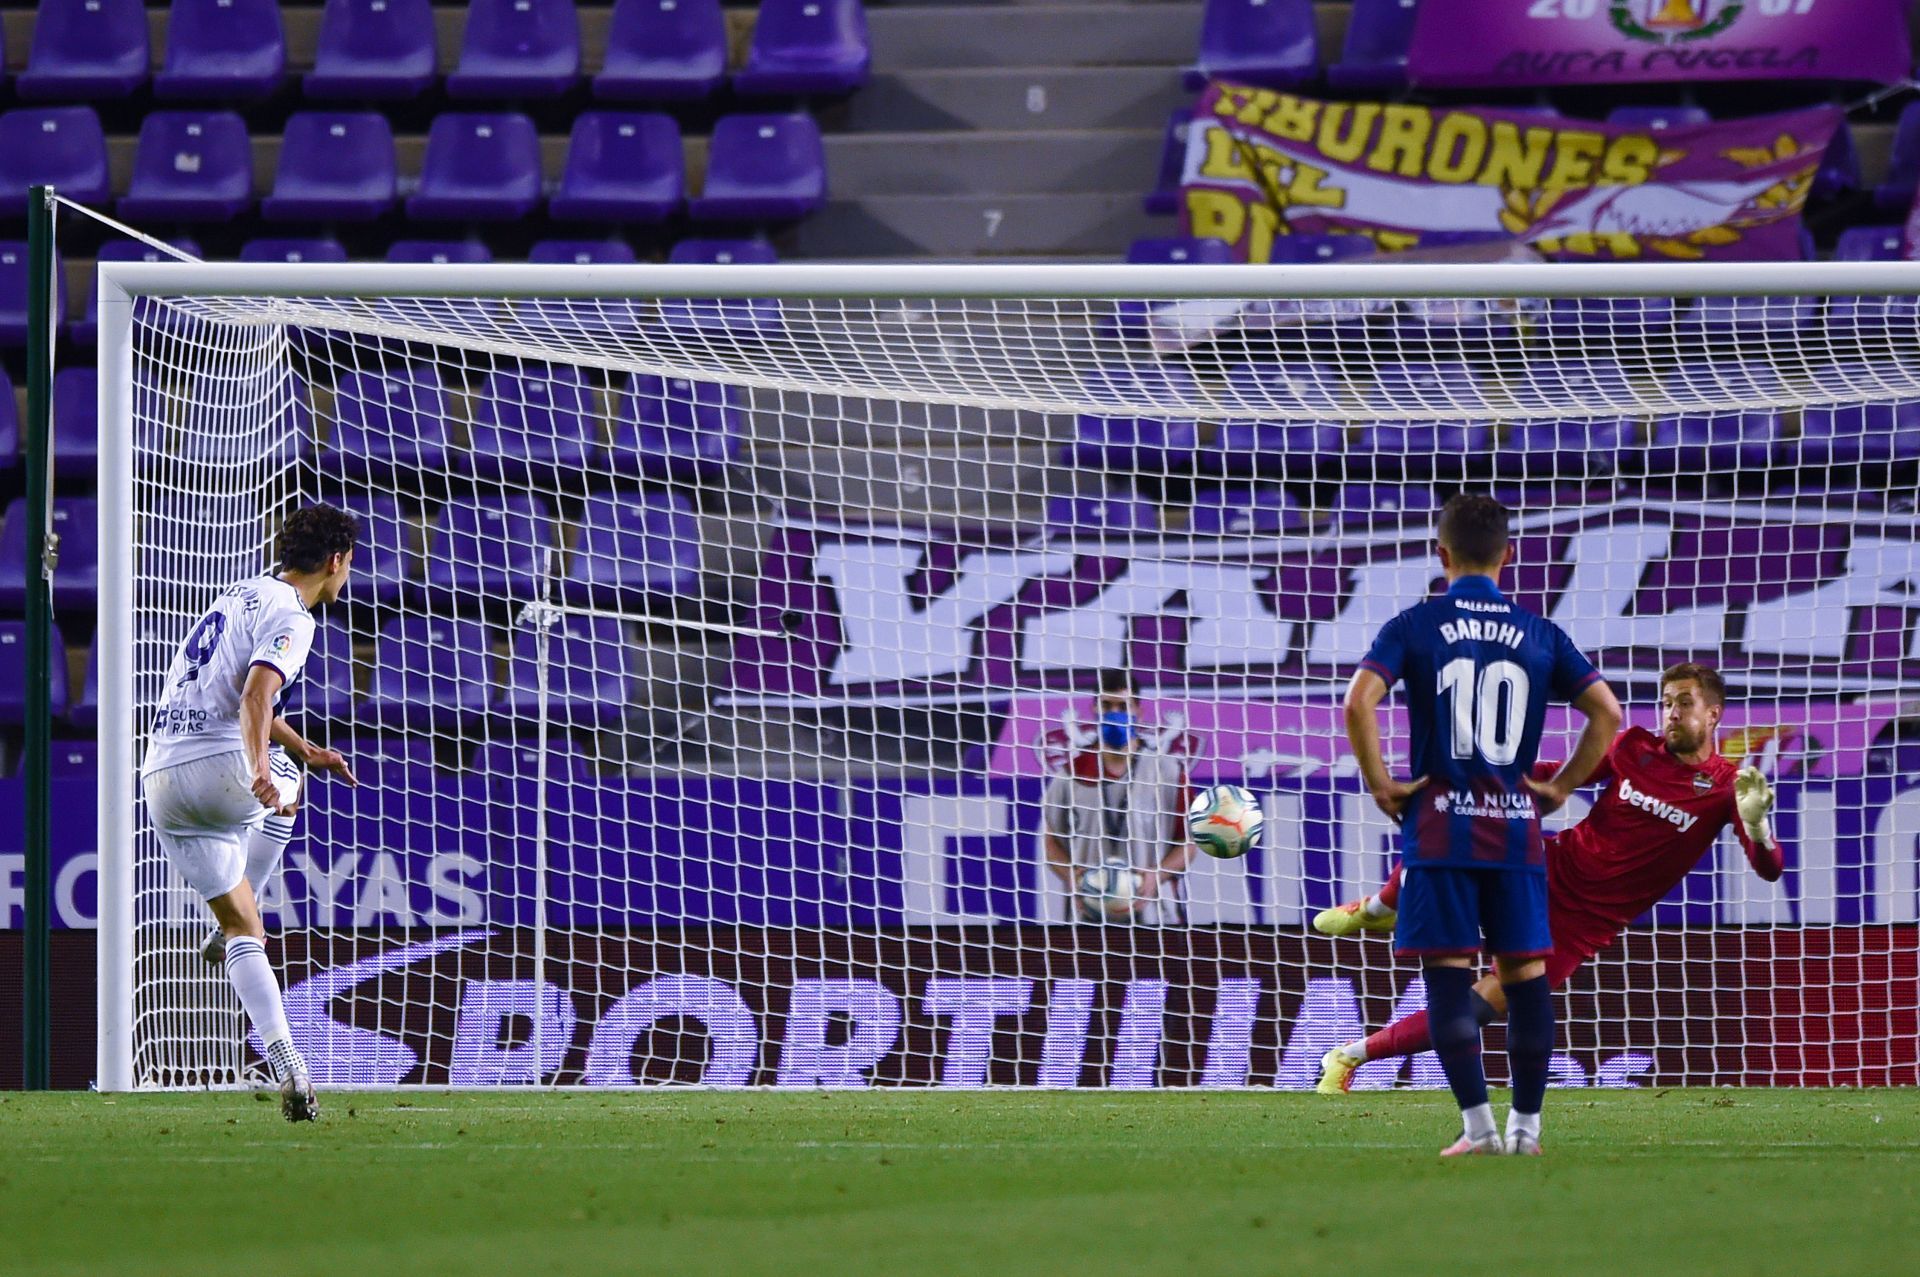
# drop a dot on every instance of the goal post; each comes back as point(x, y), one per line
point(722, 633)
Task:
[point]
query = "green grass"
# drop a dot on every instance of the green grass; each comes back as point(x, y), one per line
point(926, 1183)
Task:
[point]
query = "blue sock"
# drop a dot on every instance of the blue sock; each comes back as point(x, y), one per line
point(1456, 1032)
point(1529, 1041)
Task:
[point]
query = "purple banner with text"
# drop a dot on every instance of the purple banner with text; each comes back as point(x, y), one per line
point(1478, 43)
point(1783, 599)
point(1261, 164)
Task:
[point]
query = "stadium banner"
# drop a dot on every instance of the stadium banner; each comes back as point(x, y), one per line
point(1126, 1008)
point(1261, 163)
point(422, 848)
point(1792, 601)
point(1528, 43)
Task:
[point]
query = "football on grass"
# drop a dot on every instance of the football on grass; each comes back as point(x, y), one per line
point(1225, 821)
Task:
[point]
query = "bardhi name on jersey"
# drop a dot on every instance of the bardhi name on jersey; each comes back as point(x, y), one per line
point(1479, 673)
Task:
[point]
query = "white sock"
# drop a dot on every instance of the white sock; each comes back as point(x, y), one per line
point(1355, 1052)
point(265, 845)
point(1372, 908)
point(1479, 1123)
point(252, 978)
point(1519, 1123)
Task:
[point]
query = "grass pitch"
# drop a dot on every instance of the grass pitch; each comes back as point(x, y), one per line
point(930, 1182)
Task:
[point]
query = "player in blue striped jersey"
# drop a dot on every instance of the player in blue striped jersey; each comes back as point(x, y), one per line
point(1479, 672)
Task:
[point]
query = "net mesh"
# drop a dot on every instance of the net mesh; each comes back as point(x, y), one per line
point(714, 669)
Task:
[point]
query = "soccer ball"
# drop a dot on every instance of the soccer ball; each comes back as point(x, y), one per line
point(1225, 821)
point(1107, 891)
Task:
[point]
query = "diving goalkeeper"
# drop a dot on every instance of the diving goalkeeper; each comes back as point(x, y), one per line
point(1667, 803)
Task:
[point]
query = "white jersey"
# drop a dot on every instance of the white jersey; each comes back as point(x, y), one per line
point(260, 621)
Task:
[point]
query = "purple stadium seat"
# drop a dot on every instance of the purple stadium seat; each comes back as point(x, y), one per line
point(488, 551)
point(76, 579)
point(582, 252)
point(735, 317)
point(621, 167)
point(536, 426)
point(1747, 318)
point(1273, 448)
point(517, 49)
point(293, 250)
point(480, 168)
point(1421, 447)
point(431, 673)
point(1856, 433)
point(1362, 503)
point(1571, 384)
point(84, 328)
point(1714, 443)
point(1147, 445)
point(386, 422)
point(1401, 387)
point(190, 166)
point(762, 168)
point(1574, 320)
point(86, 51)
point(635, 550)
point(222, 51)
point(13, 292)
point(383, 556)
point(1178, 250)
point(13, 672)
point(671, 428)
point(1374, 56)
point(1903, 166)
point(1658, 118)
point(1839, 172)
point(1290, 390)
point(1164, 199)
point(663, 51)
point(1272, 43)
point(438, 251)
point(1243, 511)
point(9, 428)
point(378, 755)
point(78, 759)
point(59, 145)
point(373, 50)
point(1871, 244)
point(1309, 249)
point(324, 689)
point(76, 423)
point(1120, 513)
point(512, 761)
point(334, 167)
point(1571, 448)
point(1130, 434)
point(803, 47)
point(723, 252)
point(587, 674)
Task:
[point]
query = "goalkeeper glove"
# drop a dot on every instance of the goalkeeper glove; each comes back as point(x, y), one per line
point(1753, 799)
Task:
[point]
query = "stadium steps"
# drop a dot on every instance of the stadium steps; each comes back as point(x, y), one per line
point(985, 225)
point(1051, 35)
point(1010, 98)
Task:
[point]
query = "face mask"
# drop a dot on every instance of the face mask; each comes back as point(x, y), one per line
point(1117, 729)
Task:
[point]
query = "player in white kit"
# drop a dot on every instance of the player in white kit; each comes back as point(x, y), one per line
point(215, 773)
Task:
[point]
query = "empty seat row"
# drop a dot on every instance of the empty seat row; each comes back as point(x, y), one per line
point(197, 166)
point(385, 50)
point(438, 673)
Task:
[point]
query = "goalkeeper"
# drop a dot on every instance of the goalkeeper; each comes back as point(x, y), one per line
point(1668, 802)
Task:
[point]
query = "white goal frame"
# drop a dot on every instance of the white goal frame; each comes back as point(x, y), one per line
point(120, 284)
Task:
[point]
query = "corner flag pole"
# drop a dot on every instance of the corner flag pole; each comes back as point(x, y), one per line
point(42, 554)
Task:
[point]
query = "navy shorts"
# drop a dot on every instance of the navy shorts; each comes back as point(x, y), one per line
point(1445, 912)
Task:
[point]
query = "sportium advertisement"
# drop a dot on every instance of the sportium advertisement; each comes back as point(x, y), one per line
point(1262, 164)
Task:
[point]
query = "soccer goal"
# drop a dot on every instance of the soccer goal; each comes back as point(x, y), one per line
point(754, 673)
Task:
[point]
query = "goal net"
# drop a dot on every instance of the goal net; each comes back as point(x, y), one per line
point(728, 656)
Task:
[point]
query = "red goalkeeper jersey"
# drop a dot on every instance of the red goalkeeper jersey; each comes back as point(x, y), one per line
point(1646, 831)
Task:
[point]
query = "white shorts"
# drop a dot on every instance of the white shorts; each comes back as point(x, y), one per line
point(204, 811)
